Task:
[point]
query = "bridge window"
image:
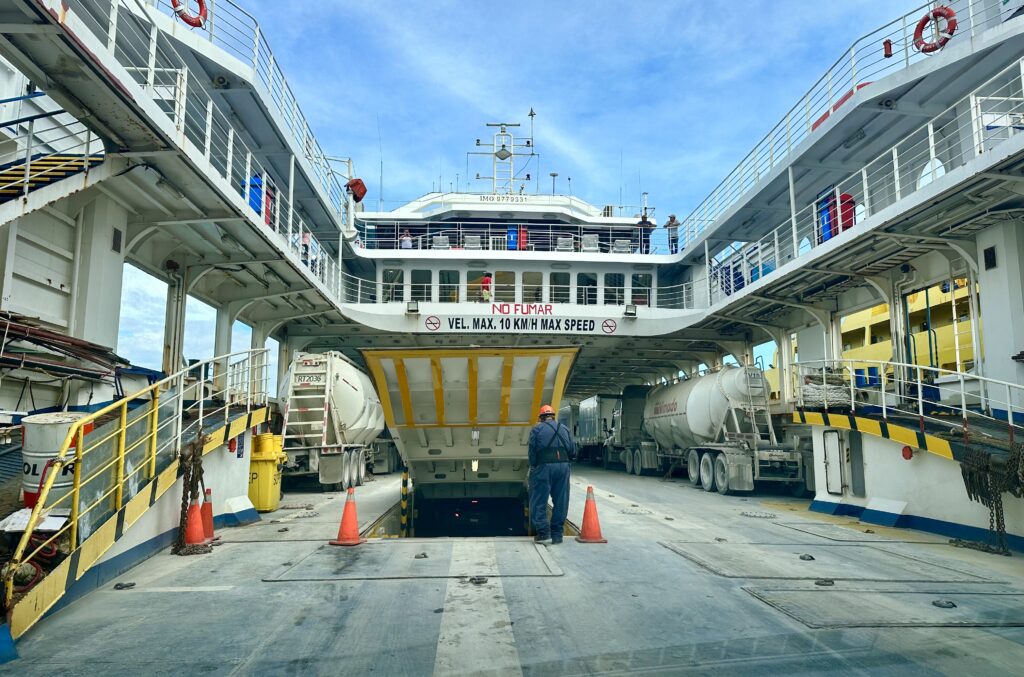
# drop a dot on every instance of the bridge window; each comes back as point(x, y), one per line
point(533, 287)
point(421, 285)
point(641, 293)
point(586, 289)
point(559, 287)
point(614, 289)
point(448, 286)
point(394, 284)
point(505, 286)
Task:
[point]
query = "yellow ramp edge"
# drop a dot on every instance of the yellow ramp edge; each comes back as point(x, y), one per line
point(871, 426)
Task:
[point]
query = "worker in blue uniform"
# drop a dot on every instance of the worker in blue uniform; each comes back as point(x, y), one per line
point(551, 449)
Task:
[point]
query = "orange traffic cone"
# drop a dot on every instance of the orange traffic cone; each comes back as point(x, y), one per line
point(207, 512)
point(348, 533)
point(590, 532)
point(194, 534)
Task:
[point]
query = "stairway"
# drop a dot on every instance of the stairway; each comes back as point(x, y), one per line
point(43, 170)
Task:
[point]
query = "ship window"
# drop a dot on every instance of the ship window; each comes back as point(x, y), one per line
point(394, 281)
point(641, 289)
point(475, 287)
point(505, 286)
point(448, 286)
point(586, 289)
point(533, 287)
point(559, 287)
point(614, 289)
point(421, 285)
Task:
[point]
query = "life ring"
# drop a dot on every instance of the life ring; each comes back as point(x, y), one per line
point(935, 15)
point(194, 20)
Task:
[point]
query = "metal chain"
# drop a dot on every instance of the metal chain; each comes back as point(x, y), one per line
point(985, 479)
point(192, 475)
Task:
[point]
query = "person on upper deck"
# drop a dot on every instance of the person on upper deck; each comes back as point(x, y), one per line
point(550, 450)
point(645, 227)
point(485, 288)
point(672, 226)
point(406, 241)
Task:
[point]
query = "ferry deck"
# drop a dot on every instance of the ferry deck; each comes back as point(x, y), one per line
point(134, 138)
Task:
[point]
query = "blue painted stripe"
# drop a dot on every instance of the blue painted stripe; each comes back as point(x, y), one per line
point(8, 652)
point(928, 524)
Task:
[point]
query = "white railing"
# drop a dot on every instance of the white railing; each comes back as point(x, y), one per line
point(897, 389)
point(44, 147)
point(152, 59)
point(360, 290)
point(864, 62)
point(974, 125)
point(504, 236)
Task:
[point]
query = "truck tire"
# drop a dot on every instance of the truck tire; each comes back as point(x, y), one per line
point(346, 481)
point(359, 474)
point(638, 466)
point(707, 472)
point(693, 466)
point(721, 474)
point(628, 460)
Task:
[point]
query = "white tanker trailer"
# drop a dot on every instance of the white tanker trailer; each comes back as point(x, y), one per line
point(718, 424)
point(331, 417)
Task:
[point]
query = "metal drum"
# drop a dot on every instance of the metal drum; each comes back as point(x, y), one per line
point(42, 437)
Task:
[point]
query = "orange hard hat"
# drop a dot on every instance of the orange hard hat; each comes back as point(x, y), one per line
point(546, 409)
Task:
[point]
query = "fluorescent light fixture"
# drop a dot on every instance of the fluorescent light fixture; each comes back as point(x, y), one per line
point(475, 464)
point(630, 311)
point(474, 437)
point(412, 308)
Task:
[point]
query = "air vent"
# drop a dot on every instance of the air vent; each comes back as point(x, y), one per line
point(115, 244)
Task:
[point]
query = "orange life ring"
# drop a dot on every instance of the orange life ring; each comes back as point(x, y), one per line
point(935, 15)
point(194, 20)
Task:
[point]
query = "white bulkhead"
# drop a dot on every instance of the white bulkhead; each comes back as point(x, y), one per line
point(691, 412)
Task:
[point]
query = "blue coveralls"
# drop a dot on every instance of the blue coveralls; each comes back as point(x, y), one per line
point(551, 447)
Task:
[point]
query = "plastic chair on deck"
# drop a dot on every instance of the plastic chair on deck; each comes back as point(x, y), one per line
point(563, 244)
point(590, 243)
point(471, 242)
point(441, 242)
point(621, 246)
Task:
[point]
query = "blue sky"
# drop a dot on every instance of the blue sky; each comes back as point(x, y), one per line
point(680, 91)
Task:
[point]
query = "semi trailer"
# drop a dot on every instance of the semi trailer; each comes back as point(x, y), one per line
point(332, 420)
point(717, 425)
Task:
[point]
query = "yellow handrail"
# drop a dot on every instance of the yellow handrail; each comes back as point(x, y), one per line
point(251, 362)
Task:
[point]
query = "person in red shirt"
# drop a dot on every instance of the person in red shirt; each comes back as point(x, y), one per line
point(485, 288)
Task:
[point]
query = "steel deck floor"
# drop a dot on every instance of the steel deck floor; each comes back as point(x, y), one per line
point(689, 583)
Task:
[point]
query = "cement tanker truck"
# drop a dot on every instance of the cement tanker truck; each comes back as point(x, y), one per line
point(332, 416)
point(719, 427)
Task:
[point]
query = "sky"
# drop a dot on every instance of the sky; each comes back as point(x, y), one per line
point(656, 96)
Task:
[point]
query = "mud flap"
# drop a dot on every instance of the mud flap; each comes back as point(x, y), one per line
point(331, 466)
point(741, 472)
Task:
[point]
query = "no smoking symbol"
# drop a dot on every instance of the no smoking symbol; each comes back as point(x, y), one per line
point(609, 326)
point(432, 323)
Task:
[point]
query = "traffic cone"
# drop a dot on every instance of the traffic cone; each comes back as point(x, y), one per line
point(348, 532)
point(194, 534)
point(590, 532)
point(207, 512)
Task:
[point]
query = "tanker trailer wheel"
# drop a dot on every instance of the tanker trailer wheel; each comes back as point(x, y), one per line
point(359, 473)
point(721, 474)
point(638, 466)
point(628, 460)
point(693, 467)
point(707, 472)
point(346, 462)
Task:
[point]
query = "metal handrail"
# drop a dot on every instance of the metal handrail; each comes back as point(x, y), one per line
point(896, 173)
point(42, 137)
point(862, 63)
point(154, 429)
point(930, 393)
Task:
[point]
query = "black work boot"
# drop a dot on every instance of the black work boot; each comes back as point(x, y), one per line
point(555, 540)
point(540, 538)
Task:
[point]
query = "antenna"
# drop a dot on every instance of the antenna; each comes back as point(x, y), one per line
point(380, 185)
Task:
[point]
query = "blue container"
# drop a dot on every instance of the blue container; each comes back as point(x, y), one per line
point(860, 377)
point(512, 237)
point(930, 393)
point(256, 194)
point(873, 378)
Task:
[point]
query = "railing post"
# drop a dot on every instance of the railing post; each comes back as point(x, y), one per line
point(867, 197)
point(792, 211)
point(248, 383)
point(154, 423)
point(121, 438)
point(896, 172)
point(263, 198)
point(963, 398)
point(907, 40)
point(88, 152)
point(853, 392)
point(112, 25)
point(29, 147)
point(882, 386)
point(208, 141)
point(76, 490)
point(256, 51)
point(230, 162)
point(921, 394)
point(1009, 410)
